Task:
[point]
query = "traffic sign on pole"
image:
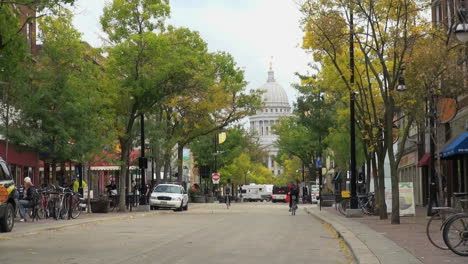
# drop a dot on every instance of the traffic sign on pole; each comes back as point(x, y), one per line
point(215, 177)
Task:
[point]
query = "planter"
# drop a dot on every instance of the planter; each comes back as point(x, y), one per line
point(328, 200)
point(100, 206)
point(198, 199)
point(210, 199)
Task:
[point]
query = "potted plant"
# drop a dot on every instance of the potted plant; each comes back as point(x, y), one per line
point(327, 198)
point(209, 198)
point(100, 205)
point(196, 196)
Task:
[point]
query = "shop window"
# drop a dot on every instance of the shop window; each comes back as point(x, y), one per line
point(3, 176)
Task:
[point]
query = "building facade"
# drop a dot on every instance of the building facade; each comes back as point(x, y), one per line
point(276, 106)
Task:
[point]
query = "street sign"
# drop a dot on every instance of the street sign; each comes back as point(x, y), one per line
point(318, 163)
point(215, 177)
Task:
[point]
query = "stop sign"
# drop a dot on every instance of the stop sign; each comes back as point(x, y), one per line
point(215, 177)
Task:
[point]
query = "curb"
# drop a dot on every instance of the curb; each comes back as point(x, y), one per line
point(361, 253)
point(65, 224)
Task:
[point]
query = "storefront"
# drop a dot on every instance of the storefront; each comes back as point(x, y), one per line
point(23, 162)
point(455, 166)
point(409, 172)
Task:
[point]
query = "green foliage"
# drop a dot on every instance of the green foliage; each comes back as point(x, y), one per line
point(63, 114)
point(123, 19)
point(292, 170)
point(297, 140)
point(238, 141)
point(243, 171)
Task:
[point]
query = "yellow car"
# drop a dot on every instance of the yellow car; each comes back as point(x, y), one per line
point(8, 198)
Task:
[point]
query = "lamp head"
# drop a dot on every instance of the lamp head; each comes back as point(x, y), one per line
point(461, 29)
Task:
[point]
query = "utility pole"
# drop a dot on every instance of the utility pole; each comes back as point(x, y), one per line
point(354, 202)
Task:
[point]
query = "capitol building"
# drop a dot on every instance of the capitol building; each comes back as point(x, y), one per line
point(276, 106)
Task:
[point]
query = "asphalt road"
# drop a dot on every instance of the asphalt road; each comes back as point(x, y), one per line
point(246, 233)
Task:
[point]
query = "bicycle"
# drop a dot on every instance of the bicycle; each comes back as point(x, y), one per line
point(293, 205)
point(455, 234)
point(113, 200)
point(77, 204)
point(436, 224)
point(228, 201)
point(366, 203)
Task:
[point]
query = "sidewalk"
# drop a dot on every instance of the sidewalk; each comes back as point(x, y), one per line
point(404, 243)
point(22, 229)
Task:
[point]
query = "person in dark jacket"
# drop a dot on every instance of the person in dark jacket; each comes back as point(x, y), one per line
point(293, 194)
point(26, 201)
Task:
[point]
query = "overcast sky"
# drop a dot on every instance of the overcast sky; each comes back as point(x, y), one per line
point(252, 31)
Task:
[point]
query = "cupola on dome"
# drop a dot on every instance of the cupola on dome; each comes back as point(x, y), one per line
point(274, 94)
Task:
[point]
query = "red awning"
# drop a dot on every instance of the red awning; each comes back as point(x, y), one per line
point(424, 161)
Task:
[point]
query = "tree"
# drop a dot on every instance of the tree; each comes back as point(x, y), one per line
point(146, 66)
point(238, 141)
point(381, 56)
point(292, 170)
point(295, 139)
point(63, 114)
point(10, 25)
point(202, 111)
point(243, 171)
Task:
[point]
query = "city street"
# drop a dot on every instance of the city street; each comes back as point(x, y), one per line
point(209, 233)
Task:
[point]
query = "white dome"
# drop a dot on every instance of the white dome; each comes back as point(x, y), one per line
point(274, 94)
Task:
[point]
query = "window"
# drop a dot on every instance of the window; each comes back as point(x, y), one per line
point(3, 175)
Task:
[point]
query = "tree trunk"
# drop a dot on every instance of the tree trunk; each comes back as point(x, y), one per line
point(376, 183)
point(180, 160)
point(395, 193)
point(167, 165)
point(157, 168)
point(46, 173)
point(368, 173)
point(62, 174)
point(381, 175)
point(124, 158)
point(54, 173)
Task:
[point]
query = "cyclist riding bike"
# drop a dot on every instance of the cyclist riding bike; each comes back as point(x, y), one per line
point(228, 193)
point(293, 194)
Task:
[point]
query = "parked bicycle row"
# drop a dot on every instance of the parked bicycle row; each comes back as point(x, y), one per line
point(49, 202)
point(447, 228)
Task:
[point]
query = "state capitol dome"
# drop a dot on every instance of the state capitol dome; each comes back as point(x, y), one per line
point(274, 95)
point(276, 106)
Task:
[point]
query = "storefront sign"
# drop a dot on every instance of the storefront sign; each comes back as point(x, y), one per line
point(407, 205)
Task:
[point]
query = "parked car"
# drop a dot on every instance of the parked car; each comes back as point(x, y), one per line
point(171, 196)
point(314, 193)
point(8, 198)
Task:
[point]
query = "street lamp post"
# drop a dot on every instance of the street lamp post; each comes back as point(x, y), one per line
point(354, 201)
point(143, 161)
point(461, 28)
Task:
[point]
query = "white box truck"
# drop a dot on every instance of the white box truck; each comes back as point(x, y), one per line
point(254, 192)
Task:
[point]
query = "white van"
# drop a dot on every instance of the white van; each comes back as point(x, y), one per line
point(254, 192)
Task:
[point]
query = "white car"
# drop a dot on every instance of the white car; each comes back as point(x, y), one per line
point(170, 196)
